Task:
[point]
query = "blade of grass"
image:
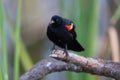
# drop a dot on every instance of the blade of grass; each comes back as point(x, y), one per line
point(17, 42)
point(87, 24)
point(4, 48)
point(1, 72)
point(93, 25)
point(82, 29)
point(85, 19)
point(24, 55)
point(4, 52)
point(0, 36)
point(79, 20)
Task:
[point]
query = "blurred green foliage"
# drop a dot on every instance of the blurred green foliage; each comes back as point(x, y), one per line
point(17, 41)
point(84, 14)
point(4, 67)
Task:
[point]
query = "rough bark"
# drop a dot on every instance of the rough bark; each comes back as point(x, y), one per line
point(47, 66)
point(72, 62)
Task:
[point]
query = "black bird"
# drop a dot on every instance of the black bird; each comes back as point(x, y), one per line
point(62, 33)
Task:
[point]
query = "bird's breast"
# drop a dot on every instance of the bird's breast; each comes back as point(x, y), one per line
point(59, 34)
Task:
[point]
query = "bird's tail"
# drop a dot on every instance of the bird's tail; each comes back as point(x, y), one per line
point(76, 46)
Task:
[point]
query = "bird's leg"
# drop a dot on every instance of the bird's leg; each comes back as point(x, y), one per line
point(65, 50)
point(53, 48)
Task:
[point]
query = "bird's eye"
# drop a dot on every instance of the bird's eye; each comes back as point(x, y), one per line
point(52, 22)
point(58, 21)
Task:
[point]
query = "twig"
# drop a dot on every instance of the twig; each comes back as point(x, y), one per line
point(72, 62)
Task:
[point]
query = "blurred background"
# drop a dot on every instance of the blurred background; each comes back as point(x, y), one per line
point(23, 40)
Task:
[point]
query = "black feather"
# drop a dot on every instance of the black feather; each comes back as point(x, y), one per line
point(60, 36)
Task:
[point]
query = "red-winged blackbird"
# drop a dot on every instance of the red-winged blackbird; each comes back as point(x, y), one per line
point(61, 32)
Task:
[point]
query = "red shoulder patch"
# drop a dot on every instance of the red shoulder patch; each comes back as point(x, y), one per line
point(69, 26)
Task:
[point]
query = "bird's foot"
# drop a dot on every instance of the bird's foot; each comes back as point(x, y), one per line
point(65, 52)
point(52, 50)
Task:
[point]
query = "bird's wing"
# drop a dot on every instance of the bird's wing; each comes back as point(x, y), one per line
point(72, 31)
point(70, 27)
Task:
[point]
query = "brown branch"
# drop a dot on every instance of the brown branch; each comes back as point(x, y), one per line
point(47, 66)
point(90, 65)
point(72, 62)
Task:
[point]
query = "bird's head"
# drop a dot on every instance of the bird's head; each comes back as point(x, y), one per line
point(56, 20)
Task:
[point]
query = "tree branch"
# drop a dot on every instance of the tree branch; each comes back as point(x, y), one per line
point(90, 65)
point(72, 62)
point(47, 66)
